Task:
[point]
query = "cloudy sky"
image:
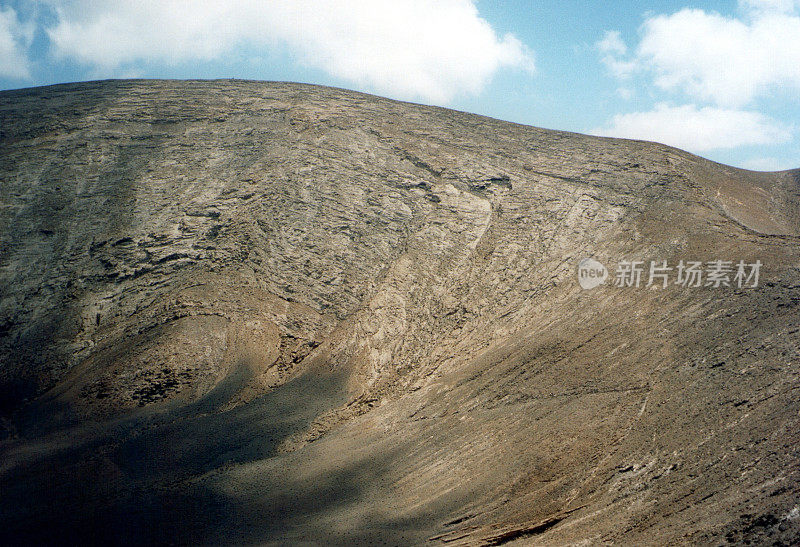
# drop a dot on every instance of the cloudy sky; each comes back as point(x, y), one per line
point(718, 78)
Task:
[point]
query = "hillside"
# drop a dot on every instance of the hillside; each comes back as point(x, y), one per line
point(245, 312)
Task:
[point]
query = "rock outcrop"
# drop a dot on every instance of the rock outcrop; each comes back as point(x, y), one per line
point(245, 312)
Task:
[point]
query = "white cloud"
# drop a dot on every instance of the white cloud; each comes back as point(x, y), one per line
point(727, 66)
point(612, 43)
point(613, 47)
point(779, 6)
point(626, 93)
point(764, 164)
point(724, 60)
point(698, 129)
point(15, 37)
point(408, 49)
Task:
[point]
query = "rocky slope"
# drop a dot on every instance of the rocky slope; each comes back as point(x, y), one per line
point(244, 312)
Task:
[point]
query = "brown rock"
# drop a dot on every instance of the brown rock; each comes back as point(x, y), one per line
point(243, 312)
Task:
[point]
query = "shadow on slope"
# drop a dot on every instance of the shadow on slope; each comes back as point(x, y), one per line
point(126, 478)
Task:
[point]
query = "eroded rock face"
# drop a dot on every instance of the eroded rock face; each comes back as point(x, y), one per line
point(247, 312)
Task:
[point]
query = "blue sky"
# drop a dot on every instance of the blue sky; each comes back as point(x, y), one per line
point(717, 78)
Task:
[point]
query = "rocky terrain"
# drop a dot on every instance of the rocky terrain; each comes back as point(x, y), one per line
point(240, 312)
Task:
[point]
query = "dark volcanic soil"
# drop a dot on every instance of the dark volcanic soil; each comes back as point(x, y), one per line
point(240, 312)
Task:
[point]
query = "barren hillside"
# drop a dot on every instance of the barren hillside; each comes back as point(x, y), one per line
point(241, 312)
